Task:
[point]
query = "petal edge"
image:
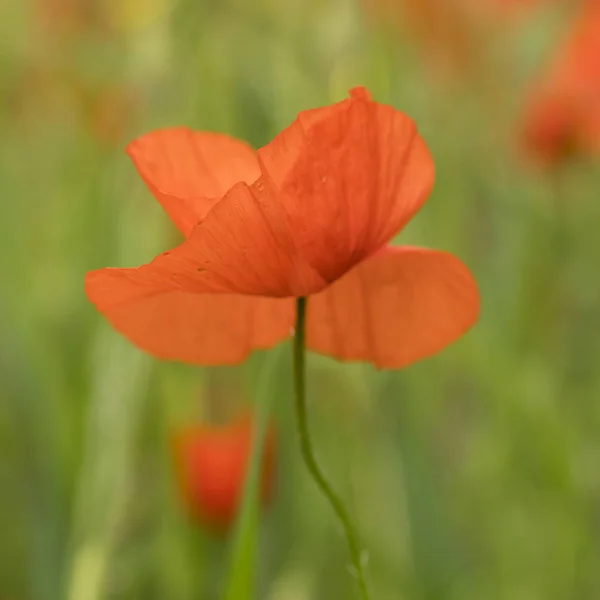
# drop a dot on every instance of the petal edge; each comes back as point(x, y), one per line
point(402, 305)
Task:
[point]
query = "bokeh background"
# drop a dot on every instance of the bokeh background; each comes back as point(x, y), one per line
point(474, 474)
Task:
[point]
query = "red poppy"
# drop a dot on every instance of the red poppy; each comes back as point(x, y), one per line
point(512, 6)
point(211, 464)
point(563, 117)
point(310, 214)
point(444, 31)
point(63, 17)
point(108, 111)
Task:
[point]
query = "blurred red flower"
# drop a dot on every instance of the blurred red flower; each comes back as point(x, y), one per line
point(310, 214)
point(109, 112)
point(511, 6)
point(211, 464)
point(563, 116)
point(64, 17)
point(445, 33)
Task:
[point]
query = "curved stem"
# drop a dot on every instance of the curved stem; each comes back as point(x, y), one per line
point(307, 450)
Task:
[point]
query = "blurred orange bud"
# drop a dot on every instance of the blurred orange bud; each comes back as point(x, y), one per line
point(63, 17)
point(446, 35)
point(109, 113)
point(211, 464)
point(562, 119)
point(509, 7)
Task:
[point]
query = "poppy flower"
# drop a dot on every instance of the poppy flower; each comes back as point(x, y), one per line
point(62, 17)
point(443, 31)
point(563, 117)
point(513, 6)
point(108, 111)
point(211, 464)
point(310, 214)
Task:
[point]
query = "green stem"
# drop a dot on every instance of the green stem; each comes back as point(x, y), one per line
point(307, 450)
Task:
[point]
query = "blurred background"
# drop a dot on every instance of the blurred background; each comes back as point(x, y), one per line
point(474, 474)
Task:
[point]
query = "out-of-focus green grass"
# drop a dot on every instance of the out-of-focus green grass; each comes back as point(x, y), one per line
point(471, 475)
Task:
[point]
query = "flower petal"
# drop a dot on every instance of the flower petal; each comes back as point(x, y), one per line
point(205, 329)
point(189, 171)
point(350, 176)
point(243, 246)
point(402, 305)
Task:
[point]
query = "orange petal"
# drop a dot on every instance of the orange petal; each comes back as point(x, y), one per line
point(188, 171)
point(399, 306)
point(206, 329)
point(243, 246)
point(350, 176)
